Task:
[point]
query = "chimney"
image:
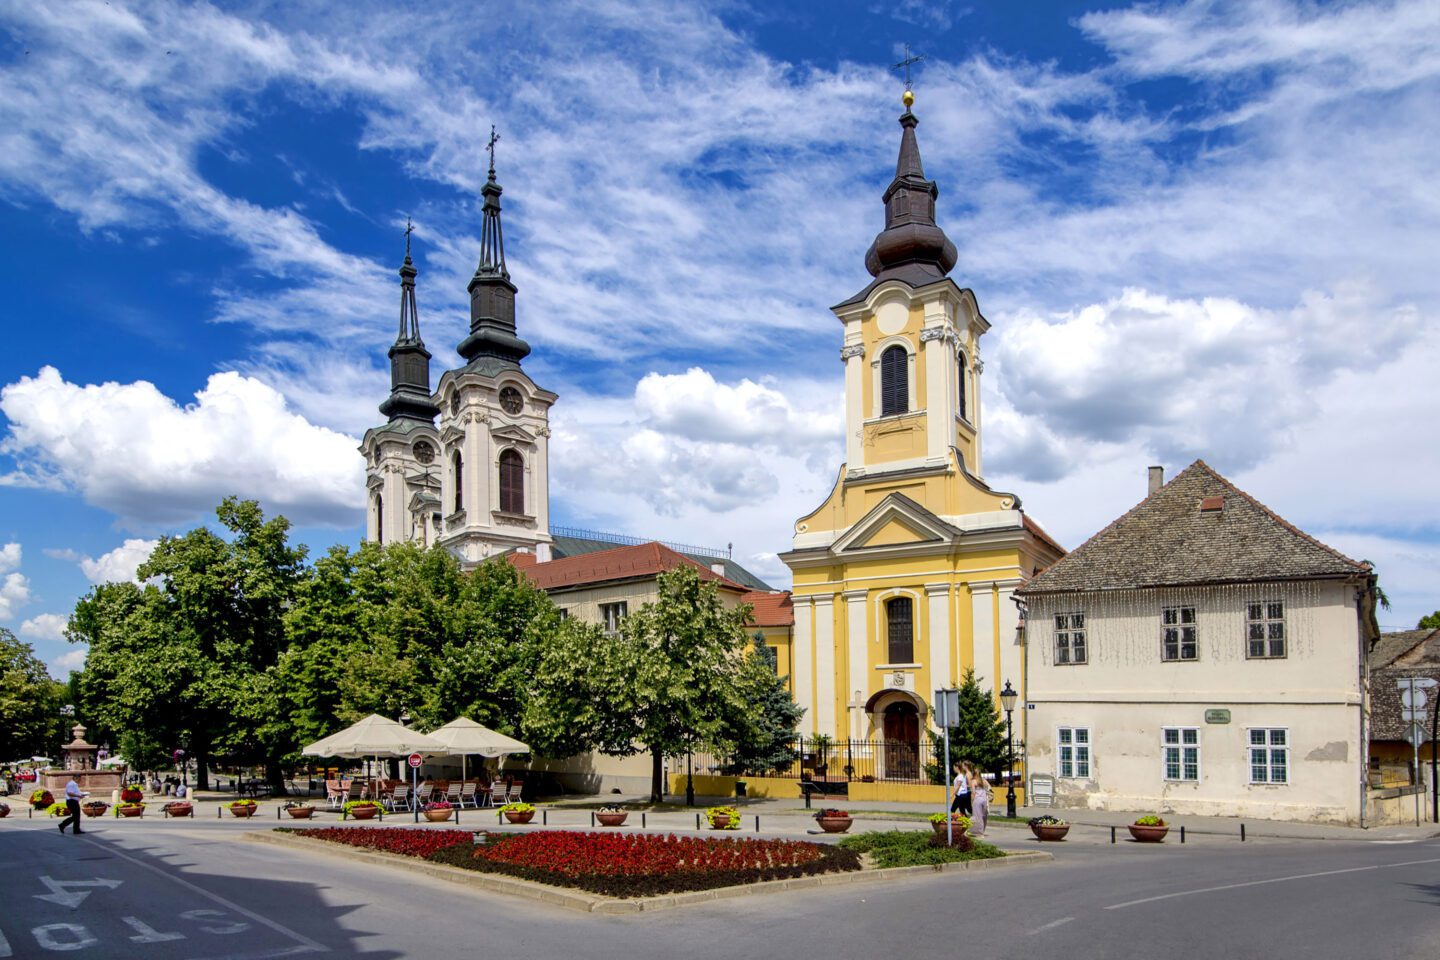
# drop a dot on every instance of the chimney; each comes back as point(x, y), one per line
point(1157, 479)
point(718, 569)
point(542, 552)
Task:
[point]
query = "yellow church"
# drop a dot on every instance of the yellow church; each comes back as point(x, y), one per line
point(904, 576)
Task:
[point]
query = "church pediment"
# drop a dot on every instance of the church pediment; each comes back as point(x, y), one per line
point(896, 521)
point(513, 433)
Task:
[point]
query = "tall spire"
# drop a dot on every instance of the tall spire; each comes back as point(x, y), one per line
point(492, 295)
point(409, 360)
point(912, 247)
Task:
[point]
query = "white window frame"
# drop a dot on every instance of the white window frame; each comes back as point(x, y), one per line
point(1179, 625)
point(1064, 628)
point(1270, 748)
point(1267, 622)
point(1179, 746)
point(612, 613)
point(1072, 754)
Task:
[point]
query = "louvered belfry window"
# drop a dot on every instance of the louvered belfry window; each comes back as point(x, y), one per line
point(894, 381)
point(900, 629)
point(512, 482)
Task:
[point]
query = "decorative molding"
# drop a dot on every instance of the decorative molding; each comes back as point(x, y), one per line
point(979, 365)
point(513, 519)
point(936, 589)
point(855, 596)
point(853, 350)
point(544, 432)
point(936, 333)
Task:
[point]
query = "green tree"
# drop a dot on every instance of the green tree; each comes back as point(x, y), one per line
point(978, 736)
point(764, 733)
point(1431, 622)
point(29, 701)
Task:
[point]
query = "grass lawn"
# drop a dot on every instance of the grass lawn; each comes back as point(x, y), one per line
point(913, 848)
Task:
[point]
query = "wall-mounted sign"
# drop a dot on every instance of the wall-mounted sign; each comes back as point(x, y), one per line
point(1217, 716)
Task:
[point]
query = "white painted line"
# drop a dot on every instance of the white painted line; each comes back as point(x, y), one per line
point(1256, 883)
point(310, 946)
point(1051, 925)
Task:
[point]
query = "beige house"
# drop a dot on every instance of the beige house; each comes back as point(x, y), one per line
point(1200, 656)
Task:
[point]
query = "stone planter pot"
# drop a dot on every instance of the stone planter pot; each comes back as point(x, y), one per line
point(958, 833)
point(1148, 834)
point(515, 816)
point(243, 812)
point(94, 809)
point(1050, 832)
point(438, 816)
point(721, 822)
point(612, 819)
point(300, 813)
point(180, 808)
point(834, 824)
point(131, 811)
point(364, 813)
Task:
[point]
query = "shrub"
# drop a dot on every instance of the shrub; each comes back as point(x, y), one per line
point(407, 842)
point(959, 819)
point(241, 803)
point(57, 810)
point(912, 848)
point(42, 798)
point(637, 865)
point(1149, 820)
point(518, 808)
point(829, 812)
point(1048, 821)
point(712, 812)
point(353, 805)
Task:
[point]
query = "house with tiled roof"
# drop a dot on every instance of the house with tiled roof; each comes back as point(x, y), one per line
point(1200, 655)
point(1394, 774)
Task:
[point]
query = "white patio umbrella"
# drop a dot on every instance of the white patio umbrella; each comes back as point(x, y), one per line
point(116, 761)
point(464, 736)
point(375, 736)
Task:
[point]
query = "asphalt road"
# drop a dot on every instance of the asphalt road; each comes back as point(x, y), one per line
point(163, 890)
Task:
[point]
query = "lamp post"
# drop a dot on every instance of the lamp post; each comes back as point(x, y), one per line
point(1008, 696)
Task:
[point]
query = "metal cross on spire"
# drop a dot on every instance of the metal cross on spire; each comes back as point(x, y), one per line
point(905, 64)
point(494, 139)
point(409, 229)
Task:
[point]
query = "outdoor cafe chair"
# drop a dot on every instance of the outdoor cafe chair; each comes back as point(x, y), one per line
point(334, 793)
point(355, 790)
point(452, 793)
point(399, 798)
point(496, 797)
point(515, 787)
point(423, 792)
point(467, 793)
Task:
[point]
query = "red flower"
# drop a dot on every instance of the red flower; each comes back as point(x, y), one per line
point(409, 843)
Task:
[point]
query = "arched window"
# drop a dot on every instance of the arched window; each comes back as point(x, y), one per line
point(458, 464)
point(900, 629)
point(512, 482)
point(894, 381)
point(379, 519)
point(964, 407)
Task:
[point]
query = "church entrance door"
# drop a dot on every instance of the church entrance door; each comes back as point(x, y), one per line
point(902, 741)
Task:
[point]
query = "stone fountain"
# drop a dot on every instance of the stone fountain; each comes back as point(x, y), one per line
point(79, 761)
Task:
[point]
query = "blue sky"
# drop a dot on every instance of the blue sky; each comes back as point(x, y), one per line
point(1199, 230)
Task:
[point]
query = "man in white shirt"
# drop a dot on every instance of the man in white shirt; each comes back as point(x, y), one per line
point(73, 794)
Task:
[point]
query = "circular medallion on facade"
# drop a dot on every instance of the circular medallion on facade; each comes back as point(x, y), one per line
point(511, 401)
point(424, 452)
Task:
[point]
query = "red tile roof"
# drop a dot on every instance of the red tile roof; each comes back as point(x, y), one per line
point(770, 609)
point(623, 563)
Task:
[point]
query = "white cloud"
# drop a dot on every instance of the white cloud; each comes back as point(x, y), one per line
point(73, 660)
point(14, 586)
point(45, 626)
point(10, 557)
point(118, 565)
point(129, 449)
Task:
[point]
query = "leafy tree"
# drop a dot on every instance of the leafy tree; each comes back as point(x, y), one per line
point(1431, 622)
point(764, 732)
point(29, 700)
point(978, 736)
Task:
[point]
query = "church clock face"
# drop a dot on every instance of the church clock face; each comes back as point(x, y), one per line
point(424, 453)
point(511, 401)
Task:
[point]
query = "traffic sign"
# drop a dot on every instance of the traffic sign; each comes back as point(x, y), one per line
point(1418, 734)
point(415, 760)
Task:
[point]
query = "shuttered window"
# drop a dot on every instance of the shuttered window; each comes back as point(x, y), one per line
point(458, 464)
point(900, 629)
point(964, 404)
point(512, 482)
point(894, 381)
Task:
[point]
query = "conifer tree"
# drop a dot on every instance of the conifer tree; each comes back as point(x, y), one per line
point(978, 735)
point(764, 733)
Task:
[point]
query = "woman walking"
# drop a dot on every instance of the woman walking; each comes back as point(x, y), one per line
point(961, 803)
point(979, 801)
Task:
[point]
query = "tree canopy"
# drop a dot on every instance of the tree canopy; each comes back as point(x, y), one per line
point(1429, 622)
point(978, 735)
point(29, 701)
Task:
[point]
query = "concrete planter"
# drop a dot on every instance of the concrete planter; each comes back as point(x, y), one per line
point(95, 809)
point(1050, 832)
point(438, 816)
point(364, 813)
point(834, 824)
point(131, 811)
point(721, 822)
point(519, 816)
point(300, 813)
point(180, 808)
point(243, 812)
point(1144, 834)
point(612, 819)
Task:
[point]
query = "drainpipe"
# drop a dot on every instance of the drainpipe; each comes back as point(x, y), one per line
point(1364, 597)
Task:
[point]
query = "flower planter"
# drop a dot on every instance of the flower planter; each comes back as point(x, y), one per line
point(94, 809)
point(958, 833)
point(612, 819)
point(242, 812)
point(518, 816)
point(44, 802)
point(131, 811)
point(1148, 834)
point(1049, 832)
point(364, 813)
point(180, 808)
point(132, 795)
point(439, 816)
point(834, 824)
point(300, 813)
point(721, 821)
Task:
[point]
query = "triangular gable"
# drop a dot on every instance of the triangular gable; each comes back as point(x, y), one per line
point(894, 521)
point(513, 433)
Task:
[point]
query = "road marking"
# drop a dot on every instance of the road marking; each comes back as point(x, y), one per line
point(58, 893)
point(1051, 925)
point(200, 915)
point(308, 945)
point(146, 933)
point(82, 938)
point(1256, 883)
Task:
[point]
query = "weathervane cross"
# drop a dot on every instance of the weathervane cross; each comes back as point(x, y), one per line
point(409, 229)
point(905, 64)
point(494, 139)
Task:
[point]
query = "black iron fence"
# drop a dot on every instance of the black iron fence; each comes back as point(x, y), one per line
point(825, 760)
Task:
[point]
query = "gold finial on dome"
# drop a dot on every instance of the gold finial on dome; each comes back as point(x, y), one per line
point(909, 99)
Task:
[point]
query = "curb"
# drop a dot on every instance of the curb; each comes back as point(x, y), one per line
point(591, 903)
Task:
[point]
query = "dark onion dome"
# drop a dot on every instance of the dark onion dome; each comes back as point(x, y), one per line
point(409, 360)
point(492, 295)
point(911, 248)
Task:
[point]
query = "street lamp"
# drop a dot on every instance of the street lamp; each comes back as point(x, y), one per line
point(1008, 696)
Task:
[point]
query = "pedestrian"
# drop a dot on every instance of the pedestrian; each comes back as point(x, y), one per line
point(961, 803)
point(73, 793)
point(980, 802)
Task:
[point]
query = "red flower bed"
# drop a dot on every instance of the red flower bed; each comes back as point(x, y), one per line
point(409, 843)
point(627, 865)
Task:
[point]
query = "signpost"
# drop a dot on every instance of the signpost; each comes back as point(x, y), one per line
point(1412, 713)
point(415, 760)
point(947, 714)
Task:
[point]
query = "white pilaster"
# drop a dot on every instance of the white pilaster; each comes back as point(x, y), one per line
point(803, 663)
point(937, 595)
point(853, 356)
point(858, 653)
point(936, 343)
point(825, 665)
point(541, 509)
point(982, 619)
point(976, 367)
